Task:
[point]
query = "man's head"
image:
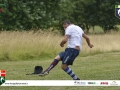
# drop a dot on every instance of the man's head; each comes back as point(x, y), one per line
point(66, 23)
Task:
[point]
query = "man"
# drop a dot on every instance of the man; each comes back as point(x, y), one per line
point(73, 34)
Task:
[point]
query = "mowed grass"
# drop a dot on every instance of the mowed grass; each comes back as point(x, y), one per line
point(102, 66)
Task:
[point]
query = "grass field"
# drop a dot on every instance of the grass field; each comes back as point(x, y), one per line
point(21, 51)
point(105, 66)
point(41, 45)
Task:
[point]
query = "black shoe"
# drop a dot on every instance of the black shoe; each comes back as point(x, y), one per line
point(76, 79)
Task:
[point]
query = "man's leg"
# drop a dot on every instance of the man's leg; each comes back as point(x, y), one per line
point(69, 71)
point(68, 59)
point(52, 65)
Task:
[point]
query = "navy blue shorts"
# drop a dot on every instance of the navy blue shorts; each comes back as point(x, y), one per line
point(68, 56)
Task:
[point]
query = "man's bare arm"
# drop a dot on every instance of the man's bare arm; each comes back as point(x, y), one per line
point(87, 40)
point(65, 39)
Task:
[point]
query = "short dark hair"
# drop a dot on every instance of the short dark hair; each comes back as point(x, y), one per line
point(66, 22)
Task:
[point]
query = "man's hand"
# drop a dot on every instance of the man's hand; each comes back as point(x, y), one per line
point(65, 39)
point(87, 40)
point(62, 45)
point(90, 45)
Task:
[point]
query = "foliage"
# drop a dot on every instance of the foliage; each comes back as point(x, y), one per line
point(44, 14)
point(24, 15)
point(96, 12)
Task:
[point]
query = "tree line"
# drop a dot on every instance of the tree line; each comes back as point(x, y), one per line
point(45, 14)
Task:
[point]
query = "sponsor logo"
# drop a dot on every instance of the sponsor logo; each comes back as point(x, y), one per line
point(2, 76)
point(117, 11)
point(92, 83)
point(114, 83)
point(79, 83)
point(103, 83)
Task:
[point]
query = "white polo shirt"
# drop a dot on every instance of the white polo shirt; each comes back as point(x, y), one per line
point(75, 38)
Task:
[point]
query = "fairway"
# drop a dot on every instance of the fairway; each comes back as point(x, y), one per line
point(102, 66)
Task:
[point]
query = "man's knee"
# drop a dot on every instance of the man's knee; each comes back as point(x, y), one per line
point(57, 58)
point(64, 66)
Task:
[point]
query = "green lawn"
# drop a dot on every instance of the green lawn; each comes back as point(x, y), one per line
point(99, 30)
point(105, 66)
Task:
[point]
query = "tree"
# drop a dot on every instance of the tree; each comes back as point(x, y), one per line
point(84, 14)
point(24, 15)
point(45, 14)
point(107, 19)
point(95, 12)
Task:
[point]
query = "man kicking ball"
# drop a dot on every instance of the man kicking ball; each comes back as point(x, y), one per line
point(73, 34)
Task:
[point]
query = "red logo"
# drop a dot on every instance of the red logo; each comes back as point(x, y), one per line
point(2, 73)
point(104, 83)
